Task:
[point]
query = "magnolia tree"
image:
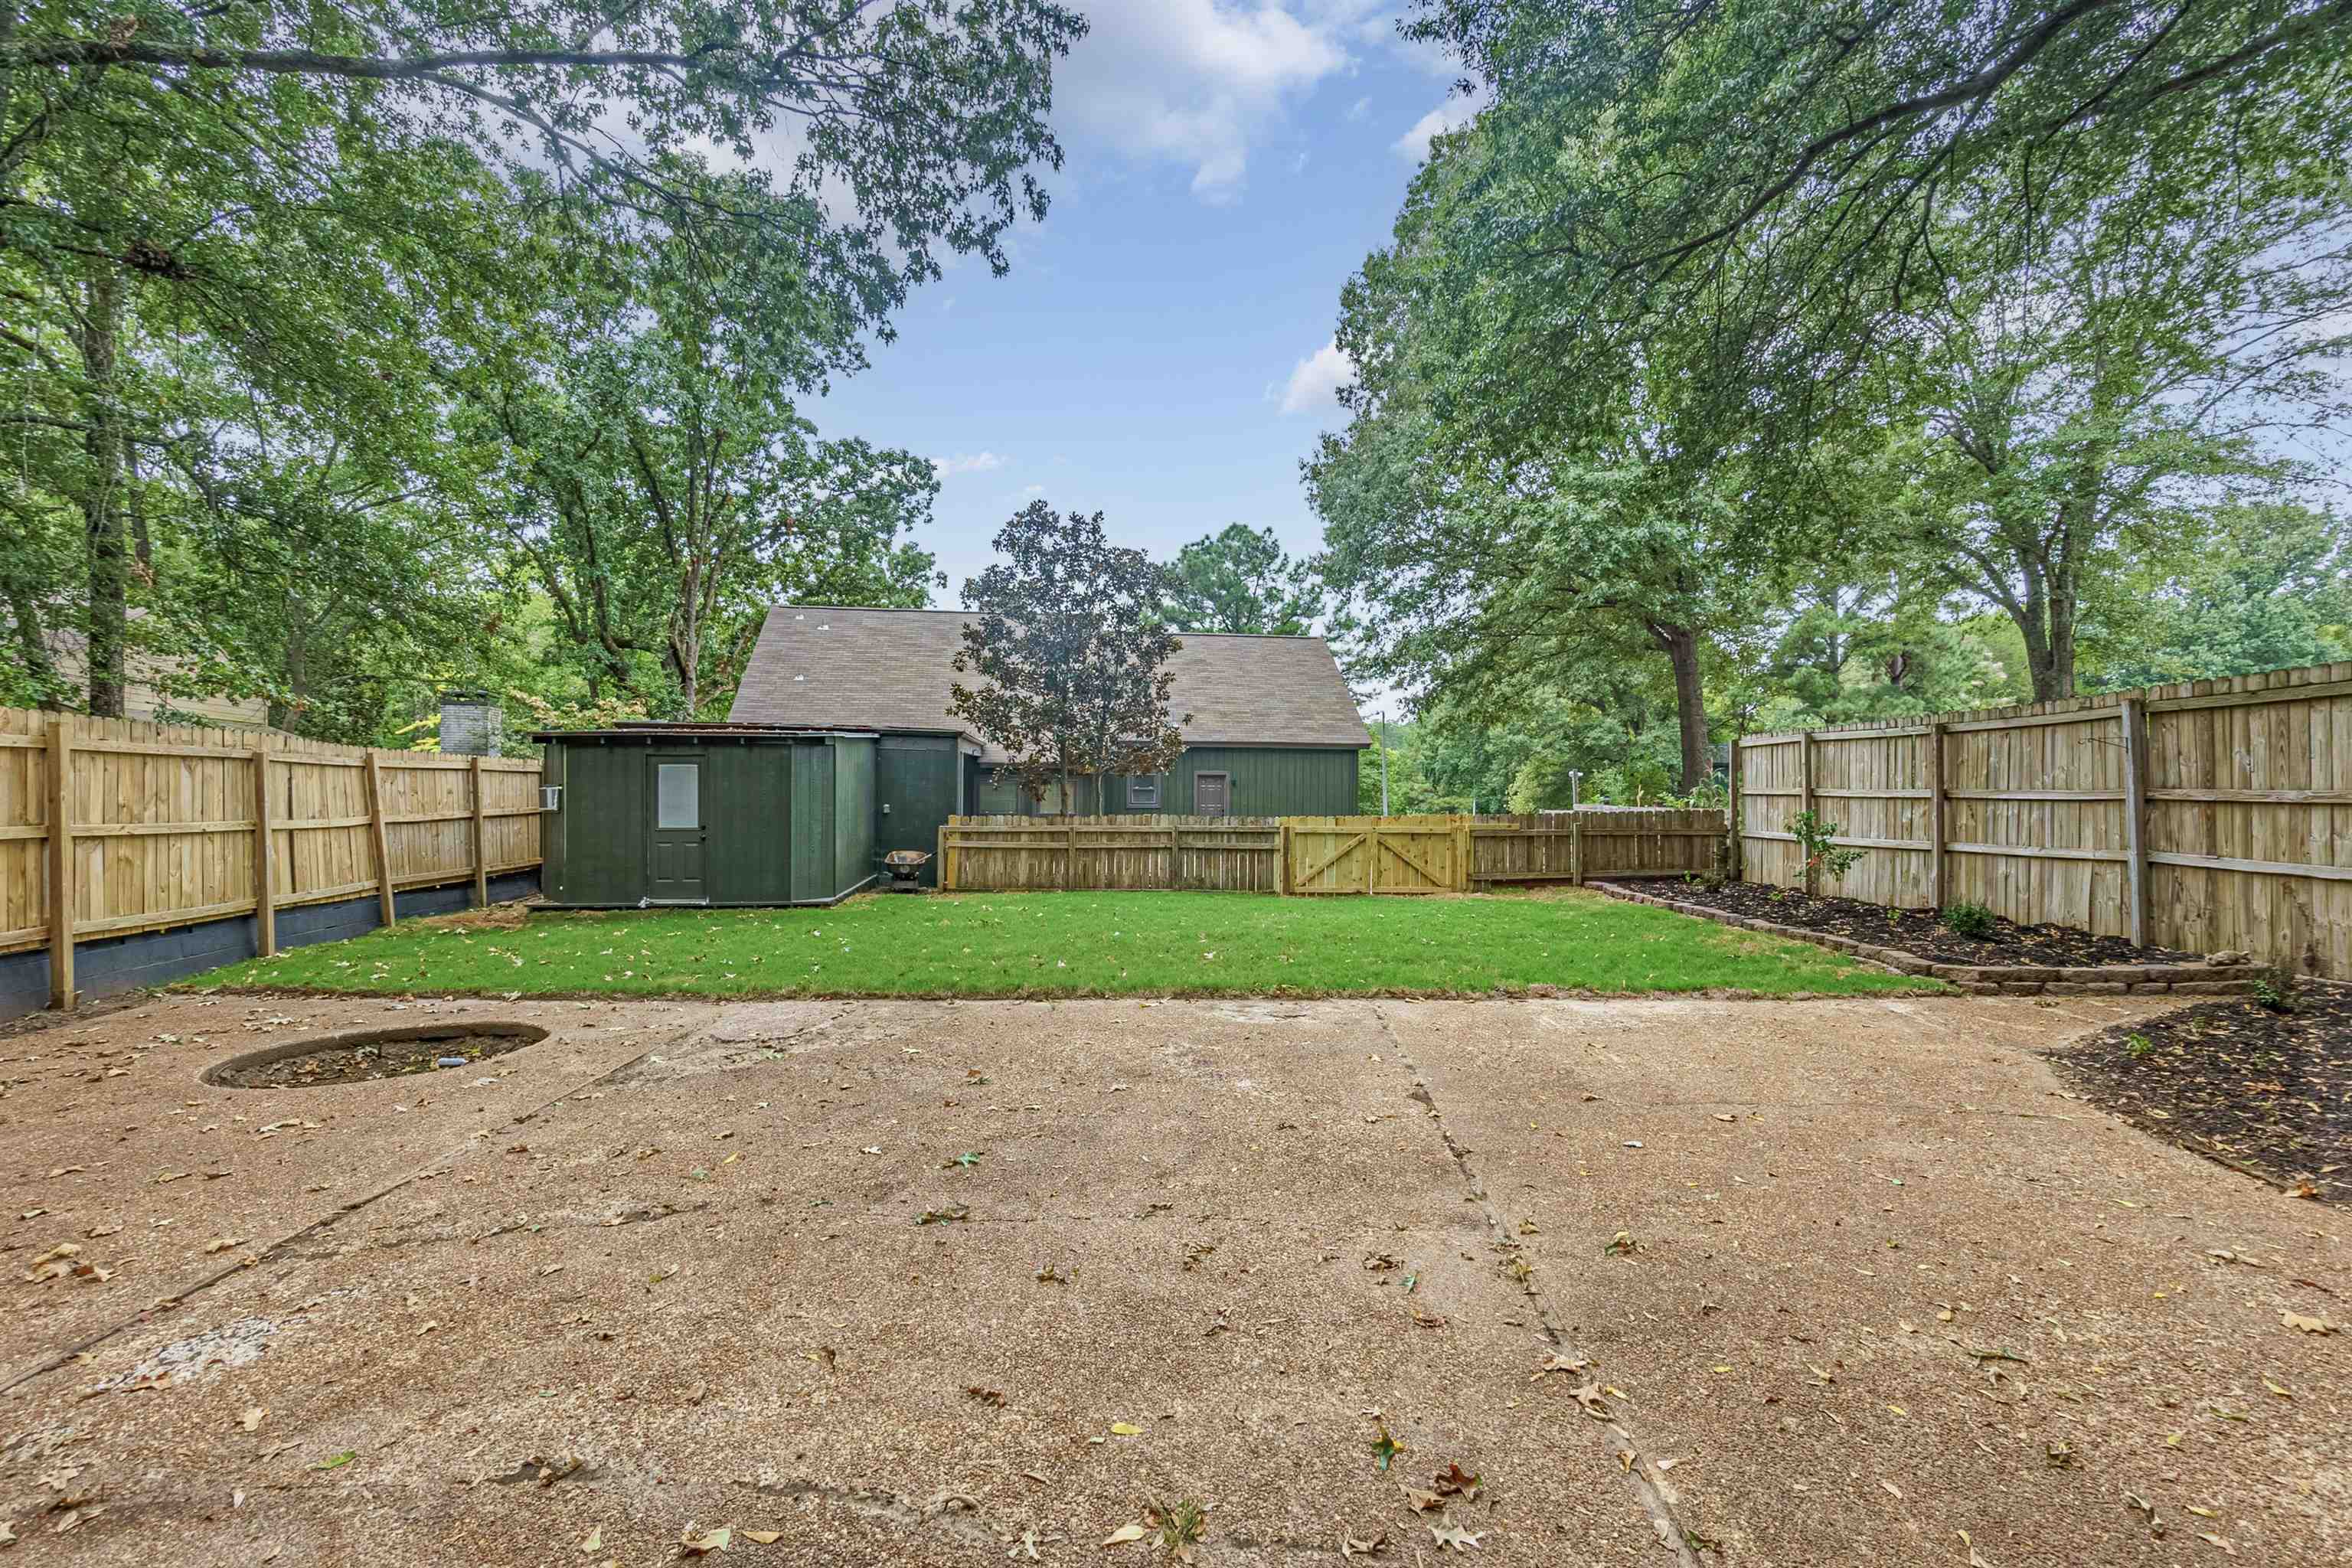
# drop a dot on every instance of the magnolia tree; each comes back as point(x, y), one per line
point(1071, 656)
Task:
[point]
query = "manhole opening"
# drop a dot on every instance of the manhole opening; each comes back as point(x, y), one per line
point(362, 1056)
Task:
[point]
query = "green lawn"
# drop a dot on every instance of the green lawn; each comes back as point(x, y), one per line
point(1076, 944)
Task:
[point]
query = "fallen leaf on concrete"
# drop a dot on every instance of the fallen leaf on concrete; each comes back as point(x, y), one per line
point(1976, 1558)
point(252, 1418)
point(2286, 1319)
point(764, 1537)
point(595, 1539)
point(691, 1545)
point(2146, 1511)
point(1351, 1547)
point(1587, 1397)
point(1421, 1501)
point(2274, 1388)
point(2210, 1538)
point(1385, 1447)
point(94, 1231)
point(1563, 1363)
point(985, 1395)
point(1620, 1245)
point(1455, 1536)
point(336, 1461)
point(1454, 1482)
point(1125, 1429)
point(1126, 1533)
point(1893, 1490)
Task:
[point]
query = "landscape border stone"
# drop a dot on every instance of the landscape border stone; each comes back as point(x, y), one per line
point(2171, 977)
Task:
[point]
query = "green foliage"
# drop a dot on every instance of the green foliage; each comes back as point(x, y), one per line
point(1239, 580)
point(1972, 921)
point(341, 342)
point(1817, 845)
point(2277, 991)
point(1071, 655)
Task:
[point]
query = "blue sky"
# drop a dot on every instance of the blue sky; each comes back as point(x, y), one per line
point(1160, 349)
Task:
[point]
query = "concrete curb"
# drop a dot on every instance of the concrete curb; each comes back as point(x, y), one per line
point(2196, 979)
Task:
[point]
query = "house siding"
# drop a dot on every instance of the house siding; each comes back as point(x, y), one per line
point(1267, 781)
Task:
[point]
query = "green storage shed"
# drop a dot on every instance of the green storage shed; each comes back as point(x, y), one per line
point(707, 814)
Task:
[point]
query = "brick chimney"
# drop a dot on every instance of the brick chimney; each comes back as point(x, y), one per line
point(473, 724)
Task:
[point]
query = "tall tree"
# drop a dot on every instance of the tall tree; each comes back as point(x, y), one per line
point(1840, 137)
point(1241, 580)
point(1071, 655)
point(2084, 400)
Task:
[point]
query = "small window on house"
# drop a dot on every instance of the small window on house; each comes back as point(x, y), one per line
point(677, 795)
point(1143, 794)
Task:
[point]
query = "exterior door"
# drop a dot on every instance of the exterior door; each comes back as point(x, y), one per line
point(675, 834)
point(1213, 795)
point(916, 781)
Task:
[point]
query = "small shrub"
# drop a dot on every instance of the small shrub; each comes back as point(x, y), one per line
point(1818, 840)
point(1971, 921)
point(2275, 989)
point(2137, 1045)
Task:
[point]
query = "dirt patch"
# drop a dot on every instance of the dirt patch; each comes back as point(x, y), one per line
point(374, 1053)
point(2269, 1093)
point(1920, 931)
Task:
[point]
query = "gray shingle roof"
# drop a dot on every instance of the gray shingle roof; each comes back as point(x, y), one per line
point(890, 669)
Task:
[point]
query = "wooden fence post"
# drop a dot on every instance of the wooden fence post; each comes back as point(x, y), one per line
point(1933, 742)
point(61, 900)
point(1069, 851)
point(945, 871)
point(1281, 847)
point(1464, 844)
point(1732, 850)
point(375, 835)
point(1807, 876)
point(2135, 726)
point(265, 866)
point(1576, 847)
point(481, 839)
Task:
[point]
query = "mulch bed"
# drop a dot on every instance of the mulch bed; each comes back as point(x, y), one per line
point(1920, 933)
point(2267, 1093)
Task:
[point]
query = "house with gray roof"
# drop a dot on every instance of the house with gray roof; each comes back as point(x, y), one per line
point(840, 749)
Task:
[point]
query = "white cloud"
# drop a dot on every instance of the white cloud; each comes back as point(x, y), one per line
point(966, 463)
point(1315, 381)
point(1362, 109)
point(1194, 82)
point(1452, 115)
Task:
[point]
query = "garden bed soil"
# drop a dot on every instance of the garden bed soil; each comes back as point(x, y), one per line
point(2265, 1092)
point(378, 1053)
point(1919, 932)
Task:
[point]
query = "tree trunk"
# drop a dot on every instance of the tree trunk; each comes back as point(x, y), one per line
point(1680, 645)
point(110, 571)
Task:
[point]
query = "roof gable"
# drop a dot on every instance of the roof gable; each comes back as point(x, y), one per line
point(892, 669)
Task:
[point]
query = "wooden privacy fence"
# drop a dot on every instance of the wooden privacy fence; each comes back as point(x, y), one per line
point(112, 825)
point(2211, 815)
point(1322, 854)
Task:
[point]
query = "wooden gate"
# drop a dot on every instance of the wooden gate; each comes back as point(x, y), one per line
point(1375, 853)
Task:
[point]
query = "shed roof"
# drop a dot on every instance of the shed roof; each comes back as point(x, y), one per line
point(891, 669)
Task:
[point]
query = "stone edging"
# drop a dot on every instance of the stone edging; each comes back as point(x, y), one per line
point(2192, 979)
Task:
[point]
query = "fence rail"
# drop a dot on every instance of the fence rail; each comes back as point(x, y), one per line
point(2206, 816)
point(1321, 855)
point(109, 826)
